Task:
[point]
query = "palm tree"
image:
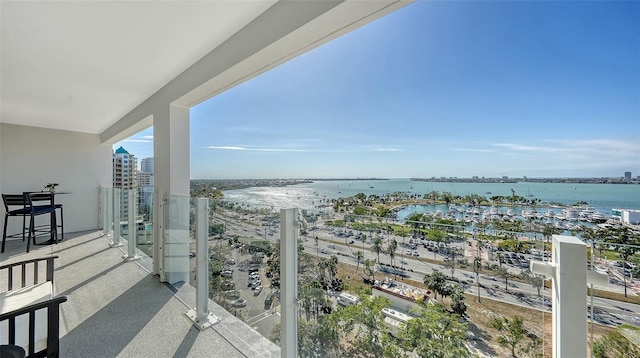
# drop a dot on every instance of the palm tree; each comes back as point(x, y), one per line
point(477, 266)
point(504, 273)
point(625, 252)
point(332, 266)
point(548, 231)
point(391, 250)
point(369, 268)
point(376, 246)
point(435, 282)
point(359, 256)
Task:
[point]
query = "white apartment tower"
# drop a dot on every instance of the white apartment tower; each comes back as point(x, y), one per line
point(125, 170)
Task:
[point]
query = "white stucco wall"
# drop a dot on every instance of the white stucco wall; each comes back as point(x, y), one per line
point(30, 157)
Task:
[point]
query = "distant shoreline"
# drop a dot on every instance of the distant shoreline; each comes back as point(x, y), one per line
point(231, 184)
point(530, 180)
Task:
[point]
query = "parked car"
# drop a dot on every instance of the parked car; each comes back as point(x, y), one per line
point(268, 300)
point(257, 290)
point(254, 275)
point(239, 303)
point(227, 273)
point(232, 294)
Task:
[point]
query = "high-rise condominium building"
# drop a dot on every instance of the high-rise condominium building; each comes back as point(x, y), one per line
point(145, 186)
point(146, 165)
point(125, 170)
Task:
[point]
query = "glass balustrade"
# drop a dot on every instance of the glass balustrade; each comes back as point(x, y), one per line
point(244, 265)
point(121, 206)
point(407, 272)
point(474, 275)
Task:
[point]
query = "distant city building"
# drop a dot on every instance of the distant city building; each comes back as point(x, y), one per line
point(145, 187)
point(146, 165)
point(125, 170)
point(626, 216)
point(504, 177)
point(474, 177)
point(627, 175)
point(145, 179)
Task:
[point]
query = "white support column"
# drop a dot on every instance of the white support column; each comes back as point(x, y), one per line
point(289, 282)
point(200, 316)
point(133, 229)
point(568, 271)
point(171, 177)
point(115, 242)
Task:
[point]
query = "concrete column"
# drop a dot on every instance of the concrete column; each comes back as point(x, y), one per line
point(289, 282)
point(171, 177)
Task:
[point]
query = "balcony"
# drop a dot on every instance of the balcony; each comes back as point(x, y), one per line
point(118, 308)
point(61, 115)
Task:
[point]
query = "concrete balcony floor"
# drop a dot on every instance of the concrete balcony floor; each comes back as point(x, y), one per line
point(118, 309)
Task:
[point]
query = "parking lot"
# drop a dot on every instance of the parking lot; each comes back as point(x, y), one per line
point(256, 300)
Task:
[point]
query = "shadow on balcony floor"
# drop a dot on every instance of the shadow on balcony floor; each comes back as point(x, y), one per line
point(118, 309)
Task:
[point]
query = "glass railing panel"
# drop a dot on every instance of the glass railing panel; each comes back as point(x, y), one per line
point(177, 236)
point(116, 211)
point(484, 251)
point(127, 206)
point(351, 263)
point(244, 261)
point(612, 303)
point(144, 220)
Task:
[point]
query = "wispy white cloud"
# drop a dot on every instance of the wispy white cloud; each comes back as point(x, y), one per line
point(526, 148)
point(257, 149)
point(138, 140)
point(476, 150)
point(577, 154)
point(388, 150)
point(579, 148)
point(226, 147)
point(147, 137)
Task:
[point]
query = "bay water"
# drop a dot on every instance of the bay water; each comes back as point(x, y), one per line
point(602, 197)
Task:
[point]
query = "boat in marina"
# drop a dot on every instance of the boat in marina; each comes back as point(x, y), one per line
point(598, 218)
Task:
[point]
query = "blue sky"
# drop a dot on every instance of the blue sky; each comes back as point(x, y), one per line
point(462, 88)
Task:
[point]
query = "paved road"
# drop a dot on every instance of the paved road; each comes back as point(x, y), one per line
point(606, 311)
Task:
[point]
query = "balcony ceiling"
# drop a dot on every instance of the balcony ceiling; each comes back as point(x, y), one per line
point(80, 66)
point(105, 67)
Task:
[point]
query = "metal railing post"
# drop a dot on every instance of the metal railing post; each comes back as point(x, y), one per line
point(200, 315)
point(133, 229)
point(106, 222)
point(115, 242)
point(288, 273)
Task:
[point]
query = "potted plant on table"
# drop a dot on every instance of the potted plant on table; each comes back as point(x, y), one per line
point(51, 187)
